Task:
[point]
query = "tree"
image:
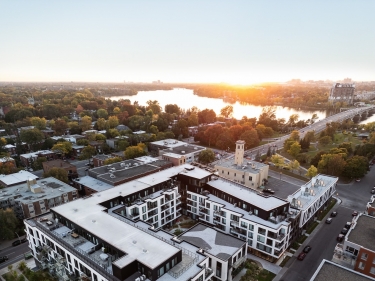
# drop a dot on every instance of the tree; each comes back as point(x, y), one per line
point(311, 172)
point(86, 123)
point(278, 160)
point(83, 142)
point(112, 160)
point(251, 138)
point(58, 173)
point(294, 165)
point(116, 110)
point(331, 164)
point(193, 119)
point(32, 136)
point(325, 140)
point(305, 144)
point(269, 152)
point(7, 168)
point(87, 152)
point(122, 144)
point(212, 133)
point(8, 222)
point(263, 131)
point(315, 160)
point(102, 113)
point(206, 156)
point(310, 136)
point(235, 132)
point(294, 149)
point(62, 147)
point(154, 106)
point(347, 145)
point(132, 152)
point(227, 111)
point(294, 136)
point(113, 121)
point(101, 124)
point(153, 130)
point(60, 127)
point(356, 167)
point(206, 116)
point(225, 140)
point(39, 123)
point(172, 109)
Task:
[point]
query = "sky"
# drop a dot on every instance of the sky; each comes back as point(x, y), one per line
point(237, 42)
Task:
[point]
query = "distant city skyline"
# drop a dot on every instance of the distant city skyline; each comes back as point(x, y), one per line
point(239, 42)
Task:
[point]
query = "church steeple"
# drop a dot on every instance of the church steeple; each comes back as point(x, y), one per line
point(240, 151)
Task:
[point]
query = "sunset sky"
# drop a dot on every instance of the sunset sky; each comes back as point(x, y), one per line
point(239, 42)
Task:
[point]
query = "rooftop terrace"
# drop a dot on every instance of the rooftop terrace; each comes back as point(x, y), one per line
point(363, 233)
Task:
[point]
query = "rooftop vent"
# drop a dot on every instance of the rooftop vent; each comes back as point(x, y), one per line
point(144, 250)
point(94, 221)
point(134, 242)
point(183, 151)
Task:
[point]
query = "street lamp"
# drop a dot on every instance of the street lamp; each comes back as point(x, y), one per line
point(281, 174)
point(18, 236)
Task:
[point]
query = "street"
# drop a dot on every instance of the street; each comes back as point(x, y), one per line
point(14, 254)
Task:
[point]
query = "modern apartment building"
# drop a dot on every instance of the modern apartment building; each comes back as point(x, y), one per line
point(357, 251)
point(249, 173)
point(342, 93)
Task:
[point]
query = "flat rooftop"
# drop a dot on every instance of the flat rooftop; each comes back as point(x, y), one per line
point(35, 154)
point(248, 165)
point(169, 143)
point(214, 242)
point(246, 194)
point(51, 188)
point(363, 232)
point(332, 271)
point(282, 188)
point(184, 149)
point(17, 178)
point(311, 191)
point(93, 183)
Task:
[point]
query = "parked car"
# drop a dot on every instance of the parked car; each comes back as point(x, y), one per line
point(16, 243)
point(348, 225)
point(373, 191)
point(333, 214)
point(301, 256)
point(329, 220)
point(355, 213)
point(28, 255)
point(340, 237)
point(3, 259)
point(357, 180)
point(307, 249)
point(268, 190)
point(344, 231)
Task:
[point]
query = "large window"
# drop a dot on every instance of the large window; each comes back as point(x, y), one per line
point(218, 269)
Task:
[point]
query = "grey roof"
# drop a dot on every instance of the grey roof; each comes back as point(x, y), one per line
point(184, 149)
point(214, 242)
point(332, 271)
point(51, 188)
point(93, 183)
point(17, 178)
point(363, 232)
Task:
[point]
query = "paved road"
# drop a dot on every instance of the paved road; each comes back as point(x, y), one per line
point(14, 254)
point(323, 245)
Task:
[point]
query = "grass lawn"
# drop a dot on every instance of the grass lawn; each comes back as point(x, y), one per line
point(254, 272)
point(301, 239)
point(327, 210)
point(312, 227)
point(285, 260)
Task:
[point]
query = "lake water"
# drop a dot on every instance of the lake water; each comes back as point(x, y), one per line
point(186, 99)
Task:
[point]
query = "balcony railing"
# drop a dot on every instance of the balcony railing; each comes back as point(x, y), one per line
point(234, 223)
point(208, 273)
point(239, 262)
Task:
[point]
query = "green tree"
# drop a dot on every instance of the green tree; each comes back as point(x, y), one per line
point(225, 140)
point(116, 110)
point(32, 136)
point(153, 130)
point(101, 123)
point(86, 123)
point(102, 113)
point(294, 165)
point(227, 111)
point(331, 164)
point(251, 138)
point(87, 152)
point(278, 160)
point(206, 116)
point(83, 142)
point(172, 109)
point(206, 156)
point(326, 140)
point(294, 136)
point(294, 149)
point(62, 147)
point(60, 127)
point(132, 152)
point(58, 173)
point(347, 145)
point(112, 160)
point(122, 144)
point(310, 136)
point(9, 223)
point(356, 167)
point(39, 123)
point(113, 122)
point(193, 119)
point(311, 172)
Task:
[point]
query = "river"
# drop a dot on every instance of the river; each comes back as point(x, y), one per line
point(186, 99)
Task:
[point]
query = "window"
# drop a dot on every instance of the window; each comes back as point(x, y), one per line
point(218, 269)
point(250, 178)
point(372, 270)
point(243, 224)
point(251, 227)
point(255, 212)
point(235, 174)
point(207, 205)
point(364, 256)
point(222, 171)
point(361, 265)
point(373, 261)
point(161, 271)
point(260, 238)
point(228, 173)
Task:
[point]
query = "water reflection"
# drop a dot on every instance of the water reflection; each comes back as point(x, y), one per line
point(185, 99)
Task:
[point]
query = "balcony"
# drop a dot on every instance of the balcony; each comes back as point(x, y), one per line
point(238, 231)
point(202, 210)
point(202, 204)
point(239, 262)
point(208, 273)
point(234, 223)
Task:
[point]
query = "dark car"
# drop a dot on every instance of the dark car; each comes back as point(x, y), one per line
point(24, 240)
point(340, 237)
point(333, 214)
point(307, 249)
point(348, 225)
point(269, 190)
point(16, 243)
point(329, 220)
point(344, 231)
point(3, 259)
point(301, 256)
point(355, 213)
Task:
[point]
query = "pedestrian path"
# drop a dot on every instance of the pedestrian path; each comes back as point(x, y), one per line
point(30, 263)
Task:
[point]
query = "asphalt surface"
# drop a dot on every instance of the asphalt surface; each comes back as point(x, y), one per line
point(14, 254)
point(323, 244)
